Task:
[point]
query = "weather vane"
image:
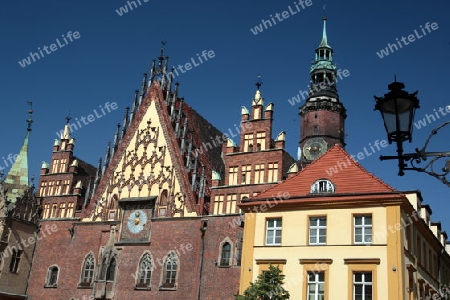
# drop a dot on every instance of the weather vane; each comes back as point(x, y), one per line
point(68, 118)
point(259, 82)
point(30, 112)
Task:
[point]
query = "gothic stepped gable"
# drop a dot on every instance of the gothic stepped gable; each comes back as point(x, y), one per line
point(162, 154)
point(337, 166)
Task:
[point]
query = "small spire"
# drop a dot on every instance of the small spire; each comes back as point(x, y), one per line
point(324, 42)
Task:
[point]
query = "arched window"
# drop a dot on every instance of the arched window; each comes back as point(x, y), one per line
point(170, 271)
point(88, 270)
point(111, 271)
point(322, 186)
point(145, 271)
point(225, 254)
point(52, 277)
point(104, 268)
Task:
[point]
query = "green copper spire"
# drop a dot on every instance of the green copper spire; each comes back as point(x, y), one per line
point(17, 180)
point(324, 42)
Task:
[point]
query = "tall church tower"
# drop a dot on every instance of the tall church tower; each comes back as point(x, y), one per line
point(322, 115)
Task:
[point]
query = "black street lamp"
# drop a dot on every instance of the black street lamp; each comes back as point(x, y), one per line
point(397, 109)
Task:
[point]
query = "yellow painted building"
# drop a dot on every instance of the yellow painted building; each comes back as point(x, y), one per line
point(344, 235)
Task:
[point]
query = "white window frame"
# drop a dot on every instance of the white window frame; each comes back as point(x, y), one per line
point(363, 283)
point(317, 283)
point(366, 237)
point(277, 227)
point(316, 228)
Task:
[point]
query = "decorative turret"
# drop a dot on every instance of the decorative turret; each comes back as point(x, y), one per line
point(322, 115)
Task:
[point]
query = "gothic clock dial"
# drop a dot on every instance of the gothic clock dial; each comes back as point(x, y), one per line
point(136, 221)
point(314, 148)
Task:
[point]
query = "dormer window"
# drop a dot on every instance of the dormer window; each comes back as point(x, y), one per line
point(322, 186)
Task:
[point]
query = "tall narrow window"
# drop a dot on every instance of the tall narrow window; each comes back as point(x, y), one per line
point(43, 189)
point(272, 172)
point(58, 187)
point(170, 271)
point(145, 271)
point(70, 210)
point(225, 255)
point(273, 231)
point(62, 210)
point(259, 173)
point(362, 285)
point(232, 177)
point(54, 210)
point(51, 188)
point(63, 166)
point(317, 230)
point(316, 286)
point(231, 203)
point(52, 276)
point(55, 166)
point(363, 229)
point(66, 187)
point(15, 261)
point(218, 204)
point(47, 210)
point(248, 140)
point(163, 198)
point(88, 270)
point(261, 141)
point(111, 271)
point(246, 174)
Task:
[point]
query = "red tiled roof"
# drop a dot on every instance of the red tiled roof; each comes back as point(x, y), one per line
point(336, 165)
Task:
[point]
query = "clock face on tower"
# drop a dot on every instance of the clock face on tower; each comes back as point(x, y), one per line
point(137, 221)
point(314, 147)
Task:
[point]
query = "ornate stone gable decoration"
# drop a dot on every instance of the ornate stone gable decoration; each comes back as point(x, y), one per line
point(136, 219)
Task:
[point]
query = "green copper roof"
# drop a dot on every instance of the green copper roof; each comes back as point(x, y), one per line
point(17, 179)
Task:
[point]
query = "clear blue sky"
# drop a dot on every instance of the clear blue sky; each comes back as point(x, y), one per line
point(107, 61)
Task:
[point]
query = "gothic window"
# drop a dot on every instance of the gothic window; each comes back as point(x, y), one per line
point(170, 271)
point(163, 198)
point(322, 186)
point(62, 210)
point(104, 268)
point(145, 271)
point(111, 271)
point(225, 255)
point(52, 277)
point(15, 261)
point(88, 270)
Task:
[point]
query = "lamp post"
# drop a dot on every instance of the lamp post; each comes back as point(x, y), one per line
point(397, 109)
